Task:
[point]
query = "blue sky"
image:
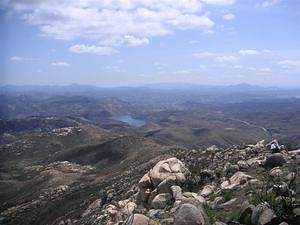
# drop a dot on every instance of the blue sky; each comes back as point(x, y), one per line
point(136, 42)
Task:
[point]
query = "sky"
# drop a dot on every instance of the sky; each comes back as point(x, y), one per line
point(137, 42)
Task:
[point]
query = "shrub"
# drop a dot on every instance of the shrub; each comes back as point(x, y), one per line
point(282, 205)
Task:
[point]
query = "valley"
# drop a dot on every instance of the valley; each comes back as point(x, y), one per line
point(59, 153)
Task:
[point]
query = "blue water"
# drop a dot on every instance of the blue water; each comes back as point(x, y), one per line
point(129, 120)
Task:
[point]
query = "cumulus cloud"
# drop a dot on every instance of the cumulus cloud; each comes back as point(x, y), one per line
point(269, 3)
point(265, 70)
point(19, 59)
point(92, 49)
point(185, 22)
point(182, 72)
point(204, 54)
point(227, 59)
point(267, 51)
point(219, 2)
point(245, 52)
point(114, 22)
point(127, 40)
point(60, 64)
point(288, 63)
point(229, 16)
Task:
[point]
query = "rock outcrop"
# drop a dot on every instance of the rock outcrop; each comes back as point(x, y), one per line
point(206, 187)
point(221, 181)
point(189, 214)
point(155, 186)
point(274, 160)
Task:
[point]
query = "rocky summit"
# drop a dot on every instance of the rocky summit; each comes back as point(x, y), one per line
point(237, 185)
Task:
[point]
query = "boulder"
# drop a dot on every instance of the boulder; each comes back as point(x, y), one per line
point(212, 148)
point(227, 204)
point(230, 169)
point(167, 221)
point(276, 172)
point(246, 214)
point(139, 219)
point(189, 214)
point(145, 181)
point(261, 215)
point(113, 214)
point(238, 178)
point(207, 190)
point(242, 164)
point(160, 179)
point(255, 162)
point(127, 207)
point(274, 160)
point(217, 201)
point(160, 201)
point(196, 201)
point(176, 193)
point(166, 168)
point(156, 213)
point(266, 217)
point(164, 186)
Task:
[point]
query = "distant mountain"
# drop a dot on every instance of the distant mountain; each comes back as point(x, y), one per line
point(89, 89)
point(242, 87)
point(161, 95)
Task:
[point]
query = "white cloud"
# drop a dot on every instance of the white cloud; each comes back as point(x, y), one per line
point(268, 3)
point(60, 64)
point(185, 22)
point(219, 2)
point(265, 70)
point(267, 51)
point(245, 52)
point(115, 22)
point(227, 59)
point(182, 72)
point(204, 54)
point(19, 59)
point(229, 16)
point(127, 40)
point(92, 49)
point(288, 63)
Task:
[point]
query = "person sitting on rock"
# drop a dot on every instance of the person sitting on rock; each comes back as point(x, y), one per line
point(275, 147)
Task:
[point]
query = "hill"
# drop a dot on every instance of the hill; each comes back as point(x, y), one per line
point(220, 184)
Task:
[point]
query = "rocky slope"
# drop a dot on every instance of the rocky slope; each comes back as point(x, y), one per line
point(239, 185)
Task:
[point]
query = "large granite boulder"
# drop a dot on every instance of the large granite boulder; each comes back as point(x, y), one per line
point(274, 160)
point(189, 214)
point(160, 201)
point(171, 167)
point(159, 180)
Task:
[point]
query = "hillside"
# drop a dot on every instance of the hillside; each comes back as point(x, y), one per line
point(217, 184)
point(70, 160)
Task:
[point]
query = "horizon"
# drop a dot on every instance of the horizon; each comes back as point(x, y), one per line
point(151, 85)
point(137, 43)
